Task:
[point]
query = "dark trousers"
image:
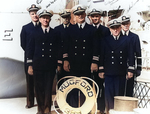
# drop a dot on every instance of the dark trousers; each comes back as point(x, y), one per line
point(130, 86)
point(73, 97)
point(101, 95)
point(114, 86)
point(43, 88)
point(30, 87)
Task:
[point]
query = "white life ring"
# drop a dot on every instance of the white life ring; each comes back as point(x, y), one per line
point(85, 87)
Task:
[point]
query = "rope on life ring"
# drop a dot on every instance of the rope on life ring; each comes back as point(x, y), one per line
point(81, 84)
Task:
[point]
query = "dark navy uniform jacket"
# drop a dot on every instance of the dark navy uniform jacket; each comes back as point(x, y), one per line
point(78, 47)
point(136, 48)
point(100, 33)
point(61, 31)
point(24, 35)
point(43, 50)
point(116, 57)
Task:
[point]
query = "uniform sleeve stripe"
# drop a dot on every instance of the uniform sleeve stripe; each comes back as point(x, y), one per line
point(96, 58)
point(130, 67)
point(59, 61)
point(139, 57)
point(139, 65)
point(100, 68)
point(65, 55)
point(29, 61)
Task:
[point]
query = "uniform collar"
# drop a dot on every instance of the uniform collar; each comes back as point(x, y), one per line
point(96, 25)
point(83, 24)
point(127, 32)
point(66, 25)
point(48, 29)
point(35, 23)
point(116, 37)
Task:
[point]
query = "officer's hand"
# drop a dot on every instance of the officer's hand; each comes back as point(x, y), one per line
point(138, 72)
point(94, 67)
point(101, 75)
point(30, 70)
point(129, 75)
point(66, 66)
point(59, 69)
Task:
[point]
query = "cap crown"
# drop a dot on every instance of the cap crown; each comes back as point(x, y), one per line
point(125, 18)
point(78, 9)
point(43, 12)
point(92, 11)
point(114, 22)
point(34, 7)
point(65, 14)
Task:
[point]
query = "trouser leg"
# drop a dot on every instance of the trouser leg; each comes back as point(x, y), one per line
point(48, 91)
point(130, 86)
point(114, 86)
point(101, 95)
point(43, 88)
point(39, 89)
point(30, 88)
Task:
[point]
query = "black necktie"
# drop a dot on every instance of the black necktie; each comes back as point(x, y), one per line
point(125, 33)
point(116, 38)
point(65, 26)
point(95, 26)
point(80, 26)
point(35, 24)
point(45, 31)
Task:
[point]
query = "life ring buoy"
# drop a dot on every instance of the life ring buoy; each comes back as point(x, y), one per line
point(69, 85)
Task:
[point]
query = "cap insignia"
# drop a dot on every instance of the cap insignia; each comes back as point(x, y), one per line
point(93, 10)
point(79, 8)
point(115, 22)
point(33, 6)
point(44, 11)
point(124, 17)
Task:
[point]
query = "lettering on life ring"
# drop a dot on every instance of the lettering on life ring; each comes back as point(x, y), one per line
point(86, 89)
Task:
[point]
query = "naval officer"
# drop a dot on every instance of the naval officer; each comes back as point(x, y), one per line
point(62, 31)
point(77, 54)
point(116, 62)
point(24, 38)
point(101, 32)
point(42, 60)
point(95, 15)
point(125, 24)
point(78, 49)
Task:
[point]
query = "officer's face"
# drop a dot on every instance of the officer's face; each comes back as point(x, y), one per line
point(80, 18)
point(95, 19)
point(45, 20)
point(33, 16)
point(115, 30)
point(66, 20)
point(125, 25)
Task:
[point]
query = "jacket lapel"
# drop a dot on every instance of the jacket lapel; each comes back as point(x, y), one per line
point(114, 44)
point(111, 42)
point(77, 32)
point(44, 36)
point(120, 41)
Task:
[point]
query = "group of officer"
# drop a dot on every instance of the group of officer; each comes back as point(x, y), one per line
point(77, 50)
